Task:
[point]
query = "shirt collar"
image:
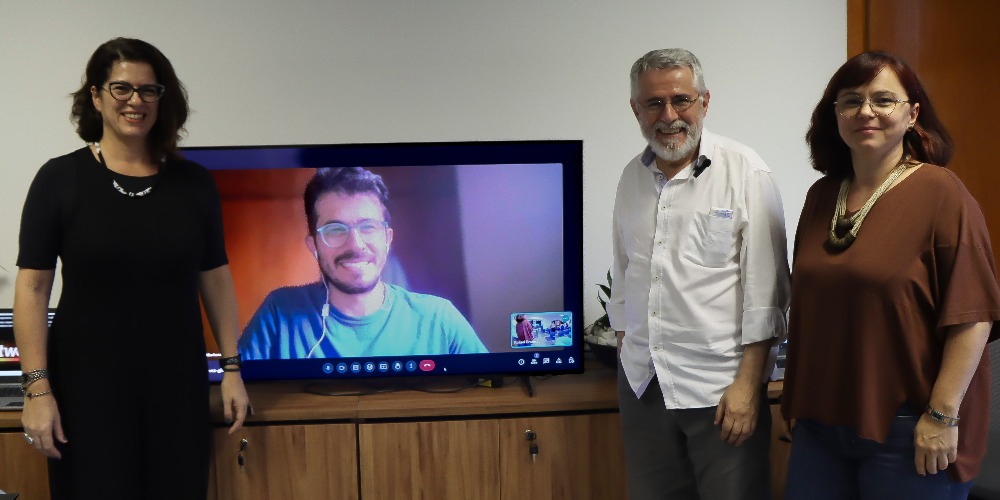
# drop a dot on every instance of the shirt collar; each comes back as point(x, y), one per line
point(706, 148)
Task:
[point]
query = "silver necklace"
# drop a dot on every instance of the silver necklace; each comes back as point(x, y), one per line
point(851, 225)
point(114, 183)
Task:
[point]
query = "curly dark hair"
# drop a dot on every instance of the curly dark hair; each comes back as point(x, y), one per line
point(172, 107)
point(927, 141)
point(345, 180)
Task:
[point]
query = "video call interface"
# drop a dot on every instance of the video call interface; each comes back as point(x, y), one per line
point(487, 238)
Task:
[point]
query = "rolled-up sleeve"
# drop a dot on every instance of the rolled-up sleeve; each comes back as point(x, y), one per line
point(764, 262)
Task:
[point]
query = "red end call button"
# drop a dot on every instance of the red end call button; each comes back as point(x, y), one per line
point(427, 365)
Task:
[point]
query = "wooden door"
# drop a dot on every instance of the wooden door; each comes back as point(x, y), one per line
point(579, 456)
point(287, 461)
point(22, 469)
point(444, 460)
point(955, 49)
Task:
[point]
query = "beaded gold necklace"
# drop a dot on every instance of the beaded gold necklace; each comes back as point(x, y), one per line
point(851, 225)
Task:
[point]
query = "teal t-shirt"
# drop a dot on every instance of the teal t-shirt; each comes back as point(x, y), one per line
point(289, 323)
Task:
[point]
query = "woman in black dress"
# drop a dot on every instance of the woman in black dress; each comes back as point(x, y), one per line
point(116, 389)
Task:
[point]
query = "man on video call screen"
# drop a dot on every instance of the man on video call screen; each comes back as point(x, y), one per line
point(353, 311)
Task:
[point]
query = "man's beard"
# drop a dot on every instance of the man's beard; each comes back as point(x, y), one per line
point(673, 150)
point(349, 288)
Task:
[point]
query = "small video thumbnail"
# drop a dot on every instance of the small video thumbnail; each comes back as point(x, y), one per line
point(541, 329)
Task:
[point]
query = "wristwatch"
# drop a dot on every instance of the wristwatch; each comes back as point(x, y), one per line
point(232, 364)
point(27, 378)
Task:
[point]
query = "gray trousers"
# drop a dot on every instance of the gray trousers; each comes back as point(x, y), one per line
point(678, 454)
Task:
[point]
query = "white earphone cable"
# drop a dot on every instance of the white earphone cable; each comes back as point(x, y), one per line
point(323, 315)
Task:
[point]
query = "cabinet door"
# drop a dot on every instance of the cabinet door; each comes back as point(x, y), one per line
point(287, 461)
point(430, 460)
point(579, 457)
point(22, 469)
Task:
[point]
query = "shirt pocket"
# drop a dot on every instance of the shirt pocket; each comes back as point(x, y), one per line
point(710, 238)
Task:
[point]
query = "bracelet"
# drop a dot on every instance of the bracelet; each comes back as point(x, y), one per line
point(33, 376)
point(24, 387)
point(231, 368)
point(942, 418)
point(32, 395)
point(233, 361)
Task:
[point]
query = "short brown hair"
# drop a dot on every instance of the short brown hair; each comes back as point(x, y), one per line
point(172, 108)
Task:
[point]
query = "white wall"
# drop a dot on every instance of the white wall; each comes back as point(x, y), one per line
point(332, 71)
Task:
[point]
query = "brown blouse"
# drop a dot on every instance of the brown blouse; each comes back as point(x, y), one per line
point(867, 324)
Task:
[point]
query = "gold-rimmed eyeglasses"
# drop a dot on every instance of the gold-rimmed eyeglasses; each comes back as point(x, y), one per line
point(881, 104)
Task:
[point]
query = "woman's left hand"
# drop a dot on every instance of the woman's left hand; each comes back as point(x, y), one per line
point(937, 445)
point(235, 401)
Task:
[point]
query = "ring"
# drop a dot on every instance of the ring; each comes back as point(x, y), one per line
point(29, 439)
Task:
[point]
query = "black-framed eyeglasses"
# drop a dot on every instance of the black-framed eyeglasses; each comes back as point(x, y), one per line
point(680, 104)
point(335, 234)
point(881, 104)
point(123, 91)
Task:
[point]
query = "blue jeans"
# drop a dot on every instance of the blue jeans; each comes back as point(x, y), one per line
point(833, 462)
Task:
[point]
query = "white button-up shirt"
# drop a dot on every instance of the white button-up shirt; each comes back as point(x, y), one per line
point(700, 269)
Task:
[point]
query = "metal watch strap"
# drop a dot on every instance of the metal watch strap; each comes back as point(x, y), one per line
point(30, 377)
point(942, 418)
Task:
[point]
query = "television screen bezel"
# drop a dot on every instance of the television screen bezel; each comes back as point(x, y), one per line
point(566, 152)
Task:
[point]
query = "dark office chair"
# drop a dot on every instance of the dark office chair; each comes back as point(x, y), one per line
point(987, 485)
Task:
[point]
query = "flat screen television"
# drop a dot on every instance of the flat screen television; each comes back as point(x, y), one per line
point(489, 233)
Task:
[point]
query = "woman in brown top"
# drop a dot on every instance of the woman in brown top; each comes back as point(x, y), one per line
point(894, 293)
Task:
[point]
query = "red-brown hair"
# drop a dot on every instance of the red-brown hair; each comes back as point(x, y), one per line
point(927, 142)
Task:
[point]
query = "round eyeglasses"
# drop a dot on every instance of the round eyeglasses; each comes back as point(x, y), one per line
point(881, 104)
point(123, 91)
point(680, 104)
point(335, 234)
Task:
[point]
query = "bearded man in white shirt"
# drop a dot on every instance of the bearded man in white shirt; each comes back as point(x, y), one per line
point(699, 296)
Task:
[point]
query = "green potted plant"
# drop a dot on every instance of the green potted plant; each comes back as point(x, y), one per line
point(599, 336)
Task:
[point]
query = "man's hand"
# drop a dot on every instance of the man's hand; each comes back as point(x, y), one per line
point(737, 412)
